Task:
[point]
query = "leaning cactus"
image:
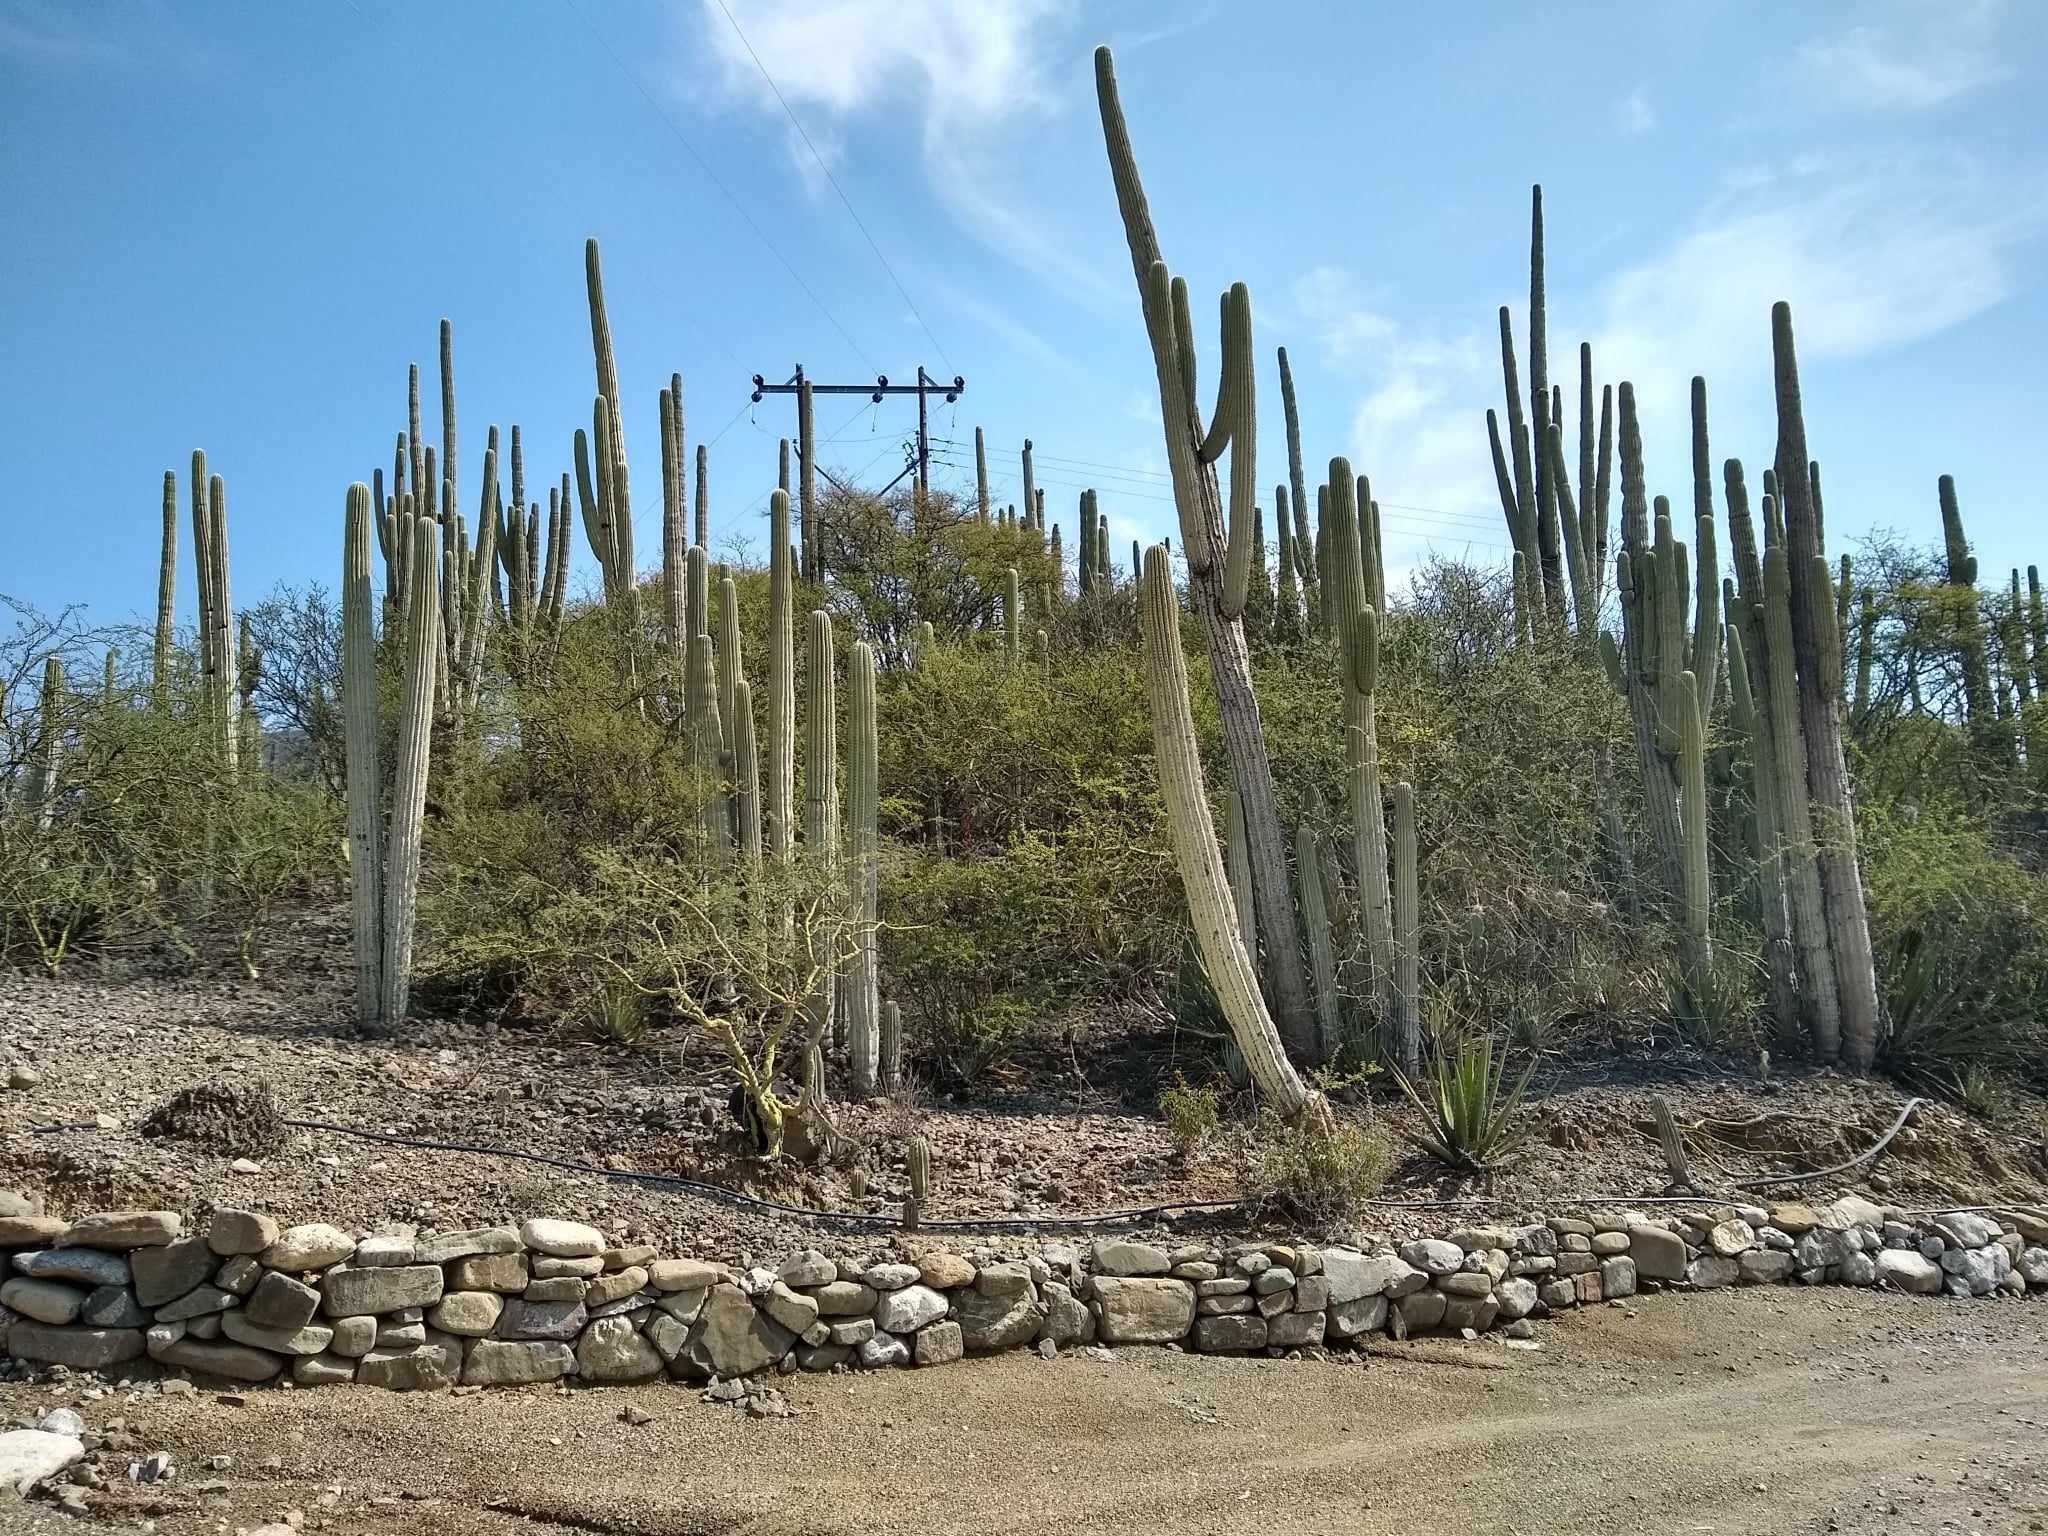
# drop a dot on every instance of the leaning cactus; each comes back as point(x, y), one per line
point(384, 863)
point(1218, 555)
point(1211, 910)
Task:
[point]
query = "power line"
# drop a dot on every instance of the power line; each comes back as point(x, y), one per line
point(834, 180)
point(705, 166)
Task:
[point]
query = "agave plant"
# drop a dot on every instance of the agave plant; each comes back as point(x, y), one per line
point(1470, 1108)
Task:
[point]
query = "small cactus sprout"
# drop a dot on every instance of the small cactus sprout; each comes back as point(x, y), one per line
point(917, 1163)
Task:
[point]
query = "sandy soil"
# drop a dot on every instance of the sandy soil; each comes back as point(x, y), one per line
point(1725, 1412)
point(1077, 1134)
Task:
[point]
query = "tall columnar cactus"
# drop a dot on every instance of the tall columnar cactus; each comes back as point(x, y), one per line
point(1102, 568)
point(48, 758)
point(1287, 600)
point(675, 621)
point(1297, 481)
point(1407, 922)
point(1352, 617)
point(384, 862)
point(1695, 896)
point(1013, 612)
point(926, 647)
point(1751, 721)
point(730, 672)
point(248, 678)
point(809, 532)
point(821, 800)
point(704, 725)
point(892, 1048)
point(782, 465)
point(980, 478)
point(1211, 910)
point(1030, 490)
point(863, 766)
point(1237, 864)
point(166, 593)
point(1820, 708)
point(1085, 560)
point(2037, 629)
point(448, 450)
point(781, 684)
point(1968, 616)
point(1866, 655)
point(701, 513)
point(612, 446)
point(1218, 559)
point(1655, 586)
point(216, 610)
point(746, 778)
point(1315, 923)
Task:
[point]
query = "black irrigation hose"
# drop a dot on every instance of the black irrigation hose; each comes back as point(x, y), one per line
point(721, 1196)
point(1760, 1180)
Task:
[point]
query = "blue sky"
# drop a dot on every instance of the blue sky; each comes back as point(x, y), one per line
point(234, 225)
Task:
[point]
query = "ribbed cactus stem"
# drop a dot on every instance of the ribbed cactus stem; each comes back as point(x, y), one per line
point(48, 758)
point(1085, 561)
point(1030, 486)
point(1696, 896)
point(701, 516)
point(359, 725)
point(746, 777)
point(821, 801)
point(1315, 922)
point(1407, 922)
point(1780, 956)
point(980, 478)
point(448, 448)
point(809, 534)
point(1211, 911)
point(1827, 773)
point(612, 454)
point(917, 1165)
point(705, 728)
point(781, 684)
point(1237, 863)
point(409, 781)
point(1359, 666)
point(863, 764)
point(1786, 734)
point(730, 672)
point(1013, 612)
point(674, 620)
point(892, 1047)
point(1297, 482)
point(166, 592)
point(926, 647)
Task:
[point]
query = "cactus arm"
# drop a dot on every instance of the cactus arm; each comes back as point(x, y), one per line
point(1585, 606)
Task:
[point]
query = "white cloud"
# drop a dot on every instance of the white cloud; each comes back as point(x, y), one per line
point(1633, 115)
point(1870, 257)
point(1933, 53)
point(965, 70)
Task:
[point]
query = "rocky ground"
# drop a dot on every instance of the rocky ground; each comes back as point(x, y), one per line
point(1735, 1411)
point(1074, 1136)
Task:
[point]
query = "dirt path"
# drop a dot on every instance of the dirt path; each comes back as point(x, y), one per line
point(1730, 1412)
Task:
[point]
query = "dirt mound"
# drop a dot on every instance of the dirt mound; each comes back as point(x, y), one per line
point(233, 1119)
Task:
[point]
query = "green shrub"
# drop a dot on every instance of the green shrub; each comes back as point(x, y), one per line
point(1321, 1173)
point(1191, 1114)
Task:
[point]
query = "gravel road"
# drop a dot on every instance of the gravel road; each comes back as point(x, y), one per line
point(1735, 1411)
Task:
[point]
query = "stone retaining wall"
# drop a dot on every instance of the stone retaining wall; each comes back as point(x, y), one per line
point(248, 1302)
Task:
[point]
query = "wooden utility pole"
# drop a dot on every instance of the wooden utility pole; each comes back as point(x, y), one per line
point(925, 386)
